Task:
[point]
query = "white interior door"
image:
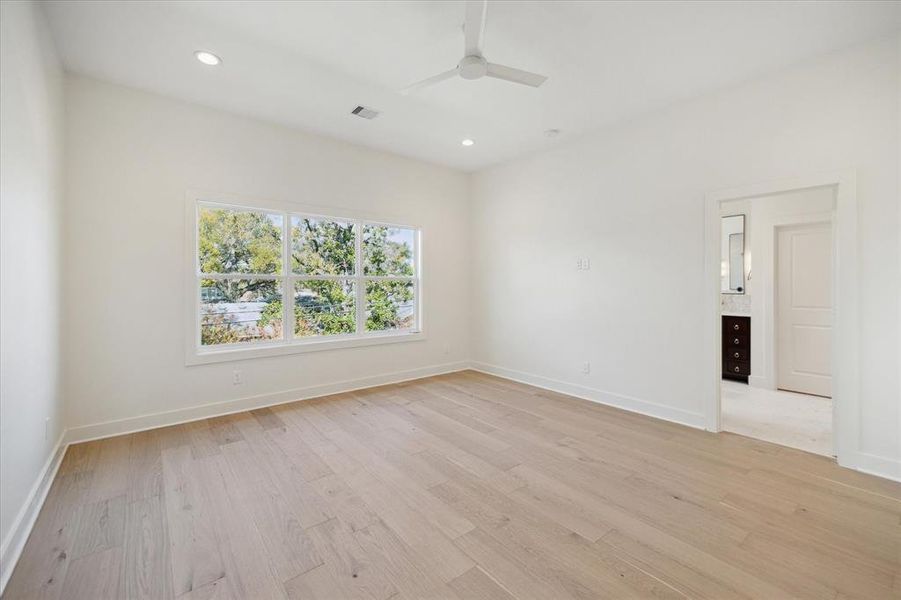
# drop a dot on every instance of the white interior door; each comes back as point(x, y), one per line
point(804, 308)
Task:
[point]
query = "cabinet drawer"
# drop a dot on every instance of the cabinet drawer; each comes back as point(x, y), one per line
point(736, 325)
point(736, 353)
point(731, 340)
point(733, 367)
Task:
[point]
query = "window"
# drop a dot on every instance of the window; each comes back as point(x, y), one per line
point(273, 279)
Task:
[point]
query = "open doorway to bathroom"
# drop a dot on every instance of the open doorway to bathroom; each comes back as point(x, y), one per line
point(776, 306)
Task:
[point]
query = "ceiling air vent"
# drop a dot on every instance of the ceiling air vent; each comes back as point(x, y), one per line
point(366, 113)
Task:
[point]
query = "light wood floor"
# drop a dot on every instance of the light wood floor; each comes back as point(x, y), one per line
point(459, 486)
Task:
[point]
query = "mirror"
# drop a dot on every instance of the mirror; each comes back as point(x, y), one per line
point(733, 255)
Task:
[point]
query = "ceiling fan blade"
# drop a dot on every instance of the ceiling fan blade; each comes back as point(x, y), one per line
point(427, 82)
point(474, 26)
point(515, 75)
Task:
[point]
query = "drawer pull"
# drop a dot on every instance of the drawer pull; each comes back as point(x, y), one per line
point(735, 327)
point(736, 355)
point(736, 341)
point(736, 369)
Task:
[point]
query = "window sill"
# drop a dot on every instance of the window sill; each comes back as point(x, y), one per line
point(205, 357)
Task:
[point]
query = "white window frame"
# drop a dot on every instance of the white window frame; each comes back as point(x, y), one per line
point(196, 354)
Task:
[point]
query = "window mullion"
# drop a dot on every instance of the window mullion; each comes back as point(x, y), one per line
point(226, 276)
point(287, 283)
point(359, 284)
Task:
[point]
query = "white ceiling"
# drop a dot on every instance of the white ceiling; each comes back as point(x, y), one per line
point(307, 64)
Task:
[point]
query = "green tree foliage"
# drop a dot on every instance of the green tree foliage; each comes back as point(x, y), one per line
point(232, 241)
point(240, 323)
point(324, 307)
point(239, 242)
point(388, 251)
point(322, 247)
point(388, 303)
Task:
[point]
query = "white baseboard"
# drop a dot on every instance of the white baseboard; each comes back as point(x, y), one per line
point(18, 534)
point(643, 407)
point(881, 466)
point(85, 433)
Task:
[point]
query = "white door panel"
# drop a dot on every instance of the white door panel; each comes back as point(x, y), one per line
point(804, 308)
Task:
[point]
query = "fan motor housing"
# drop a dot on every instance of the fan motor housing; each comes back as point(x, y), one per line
point(473, 67)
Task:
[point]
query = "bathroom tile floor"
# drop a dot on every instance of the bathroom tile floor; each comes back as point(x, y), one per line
point(787, 418)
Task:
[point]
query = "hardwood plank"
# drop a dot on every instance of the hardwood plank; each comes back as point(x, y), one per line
point(148, 569)
point(345, 503)
point(400, 563)
point(111, 471)
point(564, 505)
point(544, 548)
point(308, 504)
point(348, 563)
point(477, 585)
point(95, 576)
point(173, 436)
point(79, 458)
point(512, 574)
point(433, 547)
point(268, 419)
point(201, 438)
point(443, 517)
point(243, 556)
point(320, 584)
point(193, 541)
point(301, 456)
point(101, 525)
point(224, 431)
point(217, 590)
point(145, 466)
point(289, 547)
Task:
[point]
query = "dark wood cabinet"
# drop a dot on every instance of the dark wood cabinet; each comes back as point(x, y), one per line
point(736, 348)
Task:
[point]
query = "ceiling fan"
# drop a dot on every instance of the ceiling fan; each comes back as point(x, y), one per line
point(473, 65)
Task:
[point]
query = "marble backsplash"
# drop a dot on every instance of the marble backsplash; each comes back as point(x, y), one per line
point(735, 304)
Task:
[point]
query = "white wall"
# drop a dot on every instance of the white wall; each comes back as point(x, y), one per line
point(631, 198)
point(131, 159)
point(30, 145)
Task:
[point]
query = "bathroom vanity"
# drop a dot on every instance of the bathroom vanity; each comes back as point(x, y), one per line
point(736, 347)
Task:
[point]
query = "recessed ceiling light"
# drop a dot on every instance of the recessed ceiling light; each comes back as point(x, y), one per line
point(467, 142)
point(207, 58)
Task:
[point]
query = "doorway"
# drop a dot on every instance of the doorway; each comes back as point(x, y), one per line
point(842, 349)
point(777, 318)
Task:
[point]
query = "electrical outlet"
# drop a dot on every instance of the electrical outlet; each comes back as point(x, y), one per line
point(583, 263)
point(586, 368)
point(447, 348)
point(236, 377)
point(46, 429)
